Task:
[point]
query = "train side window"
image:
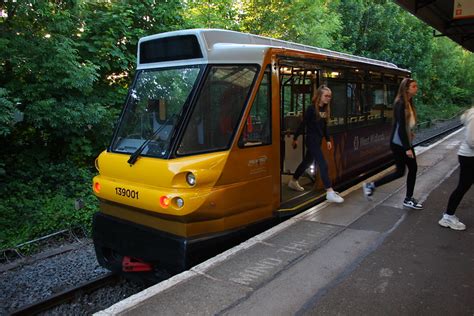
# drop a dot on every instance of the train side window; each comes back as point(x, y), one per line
point(376, 102)
point(338, 106)
point(356, 104)
point(257, 129)
point(388, 110)
point(391, 94)
point(218, 109)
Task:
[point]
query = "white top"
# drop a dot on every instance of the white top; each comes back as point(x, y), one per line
point(223, 46)
point(467, 146)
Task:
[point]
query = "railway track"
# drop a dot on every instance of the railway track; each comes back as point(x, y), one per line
point(433, 138)
point(69, 295)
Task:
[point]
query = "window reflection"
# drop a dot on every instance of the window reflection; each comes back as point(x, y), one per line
point(154, 104)
point(218, 109)
point(257, 129)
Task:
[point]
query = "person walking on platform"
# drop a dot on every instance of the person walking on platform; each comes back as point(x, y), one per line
point(466, 173)
point(315, 123)
point(401, 144)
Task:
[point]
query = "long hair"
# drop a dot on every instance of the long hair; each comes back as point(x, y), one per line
point(317, 99)
point(402, 95)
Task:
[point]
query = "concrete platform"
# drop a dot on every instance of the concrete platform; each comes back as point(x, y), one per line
point(357, 258)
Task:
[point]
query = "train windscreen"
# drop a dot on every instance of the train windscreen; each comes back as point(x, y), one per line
point(218, 109)
point(153, 108)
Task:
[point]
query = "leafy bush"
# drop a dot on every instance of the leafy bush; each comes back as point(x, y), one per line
point(6, 113)
point(40, 200)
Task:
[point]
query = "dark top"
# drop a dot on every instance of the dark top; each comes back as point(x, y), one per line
point(400, 130)
point(316, 128)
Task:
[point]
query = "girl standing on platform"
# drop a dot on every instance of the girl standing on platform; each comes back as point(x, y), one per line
point(401, 144)
point(315, 123)
point(466, 173)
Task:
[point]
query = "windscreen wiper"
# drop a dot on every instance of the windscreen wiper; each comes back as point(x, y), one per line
point(133, 157)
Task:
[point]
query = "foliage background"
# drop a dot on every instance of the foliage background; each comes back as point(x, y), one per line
point(65, 68)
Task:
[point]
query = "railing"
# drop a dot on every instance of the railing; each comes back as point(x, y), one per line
point(24, 249)
point(429, 123)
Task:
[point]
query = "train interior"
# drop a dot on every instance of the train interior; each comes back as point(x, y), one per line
point(355, 104)
point(297, 83)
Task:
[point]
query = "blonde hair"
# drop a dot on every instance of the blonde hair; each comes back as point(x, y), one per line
point(317, 99)
point(402, 95)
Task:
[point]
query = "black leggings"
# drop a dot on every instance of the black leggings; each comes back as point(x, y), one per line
point(401, 160)
point(466, 178)
point(314, 154)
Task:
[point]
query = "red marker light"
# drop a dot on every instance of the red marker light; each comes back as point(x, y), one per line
point(164, 201)
point(97, 187)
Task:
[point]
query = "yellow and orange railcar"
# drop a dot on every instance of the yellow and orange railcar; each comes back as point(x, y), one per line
point(201, 154)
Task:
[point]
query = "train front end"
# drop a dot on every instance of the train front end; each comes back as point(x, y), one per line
point(166, 201)
point(150, 210)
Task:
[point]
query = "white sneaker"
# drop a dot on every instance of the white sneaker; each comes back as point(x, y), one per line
point(333, 196)
point(452, 222)
point(412, 203)
point(293, 184)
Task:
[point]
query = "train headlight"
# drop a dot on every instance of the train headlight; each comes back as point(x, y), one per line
point(191, 179)
point(164, 201)
point(179, 202)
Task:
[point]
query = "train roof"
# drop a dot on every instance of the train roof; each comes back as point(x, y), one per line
point(223, 46)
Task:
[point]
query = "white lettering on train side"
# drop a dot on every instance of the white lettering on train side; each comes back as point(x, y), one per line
point(260, 161)
point(360, 142)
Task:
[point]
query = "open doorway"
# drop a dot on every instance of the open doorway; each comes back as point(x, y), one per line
point(297, 83)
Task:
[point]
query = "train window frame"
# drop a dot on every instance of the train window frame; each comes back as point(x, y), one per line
point(191, 115)
point(337, 123)
point(335, 78)
point(293, 103)
point(329, 73)
point(357, 100)
point(364, 79)
point(244, 141)
point(376, 110)
point(172, 48)
point(173, 118)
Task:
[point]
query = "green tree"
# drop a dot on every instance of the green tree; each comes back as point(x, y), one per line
point(221, 14)
point(41, 68)
point(110, 31)
point(108, 36)
point(303, 21)
point(64, 65)
point(446, 89)
point(382, 30)
point(467, 75)
point(7, 113)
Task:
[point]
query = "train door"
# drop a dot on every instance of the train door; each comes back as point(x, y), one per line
point(297, 83)
point(252, 162)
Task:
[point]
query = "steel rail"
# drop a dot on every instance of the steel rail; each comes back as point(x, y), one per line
point(438, 135)
point(67, 295)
